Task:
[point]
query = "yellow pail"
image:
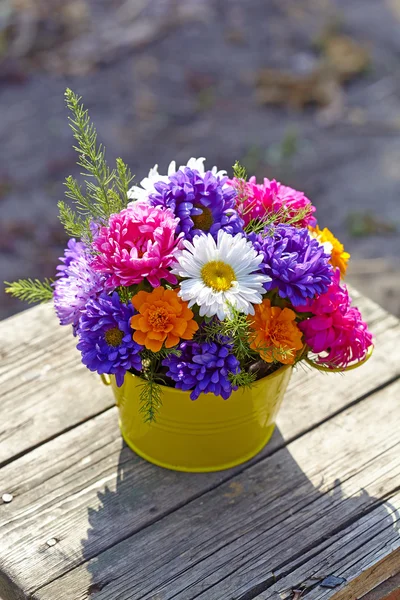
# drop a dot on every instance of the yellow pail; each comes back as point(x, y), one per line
point(208, 434)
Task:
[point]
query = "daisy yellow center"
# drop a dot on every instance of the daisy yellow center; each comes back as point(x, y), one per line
point(218, 275)
point(203, 221)
point(159, 318)
point(114, 337)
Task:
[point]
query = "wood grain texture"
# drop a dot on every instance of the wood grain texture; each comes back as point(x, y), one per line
point(44, 388)
point(237, 536)
point(387, 590)
point(365, 554)
point(81, 490)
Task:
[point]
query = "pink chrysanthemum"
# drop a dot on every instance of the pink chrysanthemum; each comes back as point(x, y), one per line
point(257, 200)
point(139, 243)
point(336, 329)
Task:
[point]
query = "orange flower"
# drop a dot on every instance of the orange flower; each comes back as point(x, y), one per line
point(163, 317)
point(276, 335)
point(339, 258)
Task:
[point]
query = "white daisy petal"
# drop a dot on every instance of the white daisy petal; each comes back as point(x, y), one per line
point(147, 184)
point(251, 310)
point(220, 273)
point(221, 314)
point(171, 168)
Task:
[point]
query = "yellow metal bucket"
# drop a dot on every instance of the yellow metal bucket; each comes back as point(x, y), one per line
point(208, 434)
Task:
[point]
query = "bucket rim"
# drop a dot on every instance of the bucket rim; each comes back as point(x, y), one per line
point(257, 383)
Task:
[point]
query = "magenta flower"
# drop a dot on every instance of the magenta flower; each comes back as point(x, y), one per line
point(336, 329)
point(256, 200)
point(139, 243)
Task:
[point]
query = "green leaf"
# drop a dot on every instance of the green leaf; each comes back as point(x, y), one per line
point(283, 216)
point(30, 290)
point(150, 399)
point(237, 327)
point(124, 179)
point(106, 190)
point(239, 171)
point(243, 379)
point(73, 224)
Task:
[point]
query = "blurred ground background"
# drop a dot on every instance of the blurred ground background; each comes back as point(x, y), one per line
point(306, 91)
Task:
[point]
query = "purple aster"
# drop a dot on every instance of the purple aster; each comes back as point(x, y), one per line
point(202, 202)
point(297, 264)
point(73, 251)
point(203, 368)
point(76, 284)
point(105, 337)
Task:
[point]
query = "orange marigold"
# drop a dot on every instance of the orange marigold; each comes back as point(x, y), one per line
point(276, 335)
point(163, 317)
point(339, 258)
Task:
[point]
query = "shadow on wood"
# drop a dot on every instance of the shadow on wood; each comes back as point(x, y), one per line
point(262, 529)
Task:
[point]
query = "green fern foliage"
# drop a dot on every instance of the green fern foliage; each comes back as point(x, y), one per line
point(243, 379)
point(239, 172)
point(106, 189)
point(74, 225)
point(150, 399)
point(283, 216)
point(30, 290)
point(236, 327)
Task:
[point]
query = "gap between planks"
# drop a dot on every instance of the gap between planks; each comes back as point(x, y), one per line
point(53, 437)
point(270, 450)
point(226, 476)
point(379, 318)
point(365, 559)
point(350, 482)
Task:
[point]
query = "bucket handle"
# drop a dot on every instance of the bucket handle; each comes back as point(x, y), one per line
point(106, 379)
point(314, 365)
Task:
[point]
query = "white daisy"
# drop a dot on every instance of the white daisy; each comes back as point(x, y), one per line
point(142, 193)
point(219, 274)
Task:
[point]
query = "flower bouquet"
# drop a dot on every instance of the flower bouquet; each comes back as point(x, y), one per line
point(197, 286)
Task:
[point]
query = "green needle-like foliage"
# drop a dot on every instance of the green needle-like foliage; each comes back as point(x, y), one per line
point(243, 379)
point(30, 290)
point(106, 190)
point(153, 380)
point(74, 225)
point(150, 399)
point(236, 327)
point(239, 171)
point(281, 217)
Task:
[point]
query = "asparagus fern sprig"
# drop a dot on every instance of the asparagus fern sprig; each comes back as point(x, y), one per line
point(243, 379)
point(236, 327)
point(283, 216)
point(106, 190)
point(30, 290)
point(239, 172)
point(150, 391)
point(150, 398)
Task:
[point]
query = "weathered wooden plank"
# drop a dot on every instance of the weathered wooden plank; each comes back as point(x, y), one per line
point(64, 476)
point(387, 590)
point(365, 554)
point(289, 527)
point(58, 487)
point(44, 389)
point(230, 539)
point(366, 572)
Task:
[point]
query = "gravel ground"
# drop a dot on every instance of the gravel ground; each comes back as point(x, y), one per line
point(172, 79)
